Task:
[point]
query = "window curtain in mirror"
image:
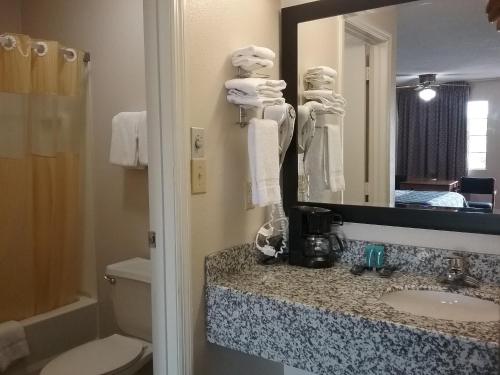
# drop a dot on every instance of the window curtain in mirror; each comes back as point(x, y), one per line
point(42, 124)
point(432, 136)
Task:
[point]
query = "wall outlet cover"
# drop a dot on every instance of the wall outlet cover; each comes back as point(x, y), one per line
point(198, 176)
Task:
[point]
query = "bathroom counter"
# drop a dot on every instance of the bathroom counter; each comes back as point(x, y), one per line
point(328, 321)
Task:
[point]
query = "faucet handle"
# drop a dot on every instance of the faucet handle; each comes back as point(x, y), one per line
point(457, 263)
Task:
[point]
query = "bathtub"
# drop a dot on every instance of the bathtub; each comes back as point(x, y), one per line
point(56, 331)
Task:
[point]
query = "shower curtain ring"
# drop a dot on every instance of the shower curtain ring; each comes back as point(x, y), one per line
point(40, 48)
point(8, 42)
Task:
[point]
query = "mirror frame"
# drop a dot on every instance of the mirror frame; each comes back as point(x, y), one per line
point(398, 217)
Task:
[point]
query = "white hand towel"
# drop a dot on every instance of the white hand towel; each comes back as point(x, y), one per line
point(143, 138)
point(254, 101)
point(326, 70)
point(334, 166)
point(262, 52)
point(124, 139)
point(263, 154)
point(264, 93)
point(251, 63)
point(254, 86)
point(13, 344)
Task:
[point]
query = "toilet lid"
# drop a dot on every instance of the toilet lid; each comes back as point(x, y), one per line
point(98, 357)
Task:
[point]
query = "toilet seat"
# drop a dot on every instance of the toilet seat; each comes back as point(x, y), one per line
point(110, 355)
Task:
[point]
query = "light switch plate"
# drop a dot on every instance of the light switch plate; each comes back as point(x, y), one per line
point(198, 176)
point(197, 143)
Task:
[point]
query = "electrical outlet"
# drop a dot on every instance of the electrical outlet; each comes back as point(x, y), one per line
point(248, 196)
point(198, 176)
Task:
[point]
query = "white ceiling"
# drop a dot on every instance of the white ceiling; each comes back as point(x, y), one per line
point(449, 37)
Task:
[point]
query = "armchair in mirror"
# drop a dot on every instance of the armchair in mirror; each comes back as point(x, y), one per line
point(398, 108)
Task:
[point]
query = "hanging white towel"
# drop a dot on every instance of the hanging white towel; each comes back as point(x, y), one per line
point(143, 138)
point(254, 101)
point(333, 166)
point(256, 51)
point(255, 86)
point(13, 344)
point(263, 154)
point(125, 139)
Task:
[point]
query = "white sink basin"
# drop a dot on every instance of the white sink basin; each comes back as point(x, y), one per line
point(443, 305)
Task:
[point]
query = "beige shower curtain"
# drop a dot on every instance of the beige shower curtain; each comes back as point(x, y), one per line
point(42, 123)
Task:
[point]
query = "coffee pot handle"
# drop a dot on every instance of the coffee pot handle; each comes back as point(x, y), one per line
point(339, 241)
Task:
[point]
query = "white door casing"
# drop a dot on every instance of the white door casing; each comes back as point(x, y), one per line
point(169, 192)
point(382, 117)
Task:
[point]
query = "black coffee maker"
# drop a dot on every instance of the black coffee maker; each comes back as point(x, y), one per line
point(311, 239)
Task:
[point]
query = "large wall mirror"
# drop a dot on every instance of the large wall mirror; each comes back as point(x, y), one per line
point(398, 111)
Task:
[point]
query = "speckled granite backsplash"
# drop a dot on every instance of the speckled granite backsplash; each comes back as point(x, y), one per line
point(411, 259)
point(425, 260)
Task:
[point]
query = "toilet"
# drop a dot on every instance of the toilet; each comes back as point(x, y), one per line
point(117, 354)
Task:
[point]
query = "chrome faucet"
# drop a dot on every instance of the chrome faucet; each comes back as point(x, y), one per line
point(456, 275)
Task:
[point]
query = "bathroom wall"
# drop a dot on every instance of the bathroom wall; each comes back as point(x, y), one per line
point(112, 31)
point(10, 16)
point(214, 28)
point(490, 91)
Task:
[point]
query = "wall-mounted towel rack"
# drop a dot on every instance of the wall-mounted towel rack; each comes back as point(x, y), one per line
point(243, 111)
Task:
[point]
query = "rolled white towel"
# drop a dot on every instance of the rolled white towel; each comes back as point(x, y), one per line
point(315, 77)
point(254, 101)
point(254, 86)
point(319, 81)
point(321, 108)
point(251, 63)
point(328, 97)
point(256, 51)
point(263, 93)
point(326, 70)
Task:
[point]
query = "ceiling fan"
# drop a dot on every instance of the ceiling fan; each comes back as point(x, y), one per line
point(493, 10)
point(427, 84)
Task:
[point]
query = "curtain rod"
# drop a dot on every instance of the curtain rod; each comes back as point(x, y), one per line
point(9, 42)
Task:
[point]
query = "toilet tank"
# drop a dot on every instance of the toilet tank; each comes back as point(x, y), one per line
point(131, 296)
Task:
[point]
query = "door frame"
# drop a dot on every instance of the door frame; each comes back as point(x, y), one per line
point(382, 110)
point(169, 191)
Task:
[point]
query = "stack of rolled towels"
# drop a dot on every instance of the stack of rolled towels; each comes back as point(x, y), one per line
point(319, 81)
point(255, 92)
point(253, 58)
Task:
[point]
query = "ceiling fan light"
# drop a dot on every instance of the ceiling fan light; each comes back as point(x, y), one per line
point(427, 94)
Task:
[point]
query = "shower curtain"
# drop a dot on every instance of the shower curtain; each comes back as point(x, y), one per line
point(42, 123)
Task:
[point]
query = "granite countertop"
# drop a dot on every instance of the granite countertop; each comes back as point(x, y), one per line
point(337, 290)
point(329, 321)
